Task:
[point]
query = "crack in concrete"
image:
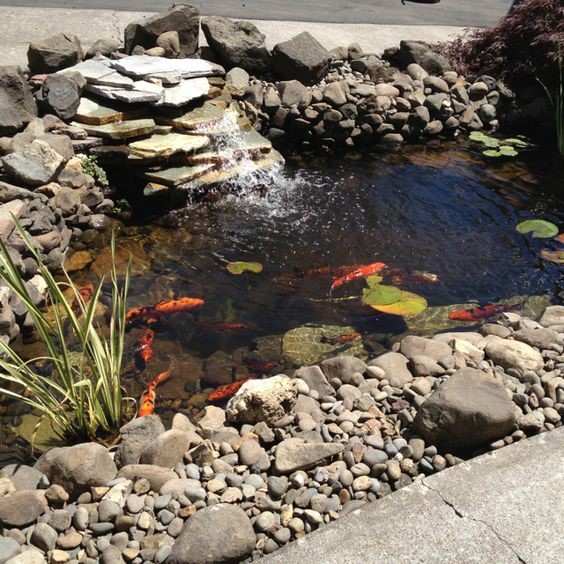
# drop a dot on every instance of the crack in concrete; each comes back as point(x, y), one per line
point(476, 520)
point(115, 24)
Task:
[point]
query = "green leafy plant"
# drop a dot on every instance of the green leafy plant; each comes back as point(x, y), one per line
point(90, 166)
point(539, 228)
point(499, 147)
point(82, 395)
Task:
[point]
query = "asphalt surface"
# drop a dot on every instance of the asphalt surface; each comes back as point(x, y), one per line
point(465, 13)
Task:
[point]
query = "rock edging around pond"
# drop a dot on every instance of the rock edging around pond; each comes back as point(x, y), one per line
point(287, 455)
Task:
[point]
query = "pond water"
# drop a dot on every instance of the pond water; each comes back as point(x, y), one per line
point(442, 210)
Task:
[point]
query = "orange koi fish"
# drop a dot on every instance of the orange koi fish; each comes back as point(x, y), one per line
point(86, 293)
point(360, 272)
point(229, 390)
point(147, 401)
point(477, 313)
point(151, 313)
point(223, 326)
point(144, 350)
point(255, 365)
point(341, 339)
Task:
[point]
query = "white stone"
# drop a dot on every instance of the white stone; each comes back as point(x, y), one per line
point(140, 66)
point(185, 92)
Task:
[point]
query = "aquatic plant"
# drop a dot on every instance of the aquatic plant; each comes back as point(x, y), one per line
point(499, 147)
point(392, 300)
point(90, 166)
point(239, 267)
point(82, 394)
point(539, 228)
point(523, 45)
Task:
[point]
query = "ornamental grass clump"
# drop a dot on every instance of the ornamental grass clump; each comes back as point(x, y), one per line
point(82, 394)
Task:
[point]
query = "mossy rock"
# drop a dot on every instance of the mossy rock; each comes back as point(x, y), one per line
point(305, 345)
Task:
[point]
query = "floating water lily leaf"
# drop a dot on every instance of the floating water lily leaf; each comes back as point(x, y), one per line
point(408, 305)
point(374, 280)
point(538, 228)
point(517, 142)
point(239, 267)
point(553, 256)
point(478, 136)
point(508, 151)
point(492, 153)
point(380, 295)
point(491, 142)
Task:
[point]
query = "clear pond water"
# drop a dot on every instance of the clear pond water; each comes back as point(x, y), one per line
point(444, 210)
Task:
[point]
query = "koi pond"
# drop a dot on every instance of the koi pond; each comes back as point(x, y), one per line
point(442, 218)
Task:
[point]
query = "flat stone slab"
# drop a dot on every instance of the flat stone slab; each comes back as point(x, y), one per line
point(163, 146)
point(95, 113)
point(505, 506)
point(205, 116)
point(122, 130)
point(100, 72)
point(140, 66)
point(185, 92)
point(175, 176)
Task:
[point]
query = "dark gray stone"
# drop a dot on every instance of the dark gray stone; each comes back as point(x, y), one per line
point(136, 435)
point(20, 508)
point(233, 537)
point(60, 95)
point(301, 58)
point(17, 105)
point(183, 18)
point(44, 537)
point(54, 53)
point(421, 53)
point(238, 43)
point(23, 477)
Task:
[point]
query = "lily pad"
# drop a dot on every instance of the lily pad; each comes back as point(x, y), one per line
point(538, 228)
point(409, 304)
point(553, 256)
point(380, 295)
point(517, 142)
point(508, 151)
point(478, 136)
point(373, 280)
point(239, 267)
point(492, 153)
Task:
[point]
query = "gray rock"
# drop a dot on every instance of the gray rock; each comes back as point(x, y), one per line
point(293, 92)
point(105, 46)
point(553, 315)
point(238, 78)
point(416, 72)
point(60, 95)
point(79, 467)
point(156, 475)
point(8, 549)
point(60, 520)
point(513, 354)
point(532, 422)
point(301, 58)
point(468, 410)
point(175, 488)
point(17, 105)
point(54, 53)
point(395, 366)
point(315, 379)
point(539, 337)
point(21, 508)
point(44, 537)
point(422, 365)
point(233, 537)
point(250, 452)
point(291, 456)
point(183, 18)
point(419, 117)
point(421, 53)
point(23, 477)
point(37, 164)
point(342, 367)
point(336, 93)
point(238, 43)
point(67, 200)
point(167, 449)
point(413, 345)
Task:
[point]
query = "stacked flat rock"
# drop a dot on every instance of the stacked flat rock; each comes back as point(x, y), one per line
point(288, 455)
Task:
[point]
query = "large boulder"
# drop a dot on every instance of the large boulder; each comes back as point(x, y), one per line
point(470, 409)
point(37, 164)
point(17, 106)
point(418, 52)
point(265, 400)
point(79, 467)
point(301, 58)
point(136, 435)
point(182, 18)
point(238, 43)
point(60, 95)
point(221, 533)
point(54, 53)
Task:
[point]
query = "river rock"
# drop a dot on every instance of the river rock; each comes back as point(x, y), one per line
point(233, 537)
point(136, 435)
point(343, 367)
point(54, 53)
point(513, 354)
point(17, 105)
point(9, 548)
point(421, 53)
point(468, 410)
point(103, 46)
point(44, 537)
point(315, 379)
point(60, 95)
point(23, 477)
point(37, 164)
point(395, 366)
point(291, 456)
point(553, 315)
point(156, 475)
point(20, 509)
point(538, 337)
point(167, 449)
point(79, 467)
point(414, 345)
point(182, 18)
point(301, 58)
point(238, 43)
point(422, 365)
point(265, 400)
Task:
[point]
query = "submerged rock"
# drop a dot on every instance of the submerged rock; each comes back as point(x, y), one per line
point(468, 410)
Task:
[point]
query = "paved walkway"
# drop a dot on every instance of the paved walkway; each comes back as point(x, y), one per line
point(20, 26)
point(503, 507)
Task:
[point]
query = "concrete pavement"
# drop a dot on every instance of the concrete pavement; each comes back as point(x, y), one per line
point(20, 26)
point(502, 507)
